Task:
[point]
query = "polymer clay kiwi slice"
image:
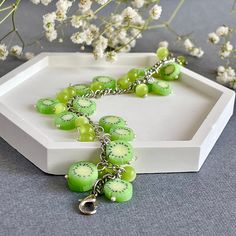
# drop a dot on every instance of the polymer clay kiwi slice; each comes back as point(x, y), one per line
point(119, 152)
point(82, 176)
point(108, 122)
point(46, 105)
point(161, 88)
point(66, 120)
point(107, 81)
point(118, 190)
point(170, 71)
point(84, 105)
point(121, 133)
point(81, 89)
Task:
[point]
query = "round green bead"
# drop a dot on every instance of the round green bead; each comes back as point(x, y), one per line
point(81, 120)
point(136, 73)
point(46, 105)
point(63, 97)
point(71, 91)
point(123, 82)
point(82, 176)
point(141, 90)
point(66, 120)
point(59, 108)
point(129, 174)
point(162, 53)
point(88, 137)
point(95, 86)
point(86, 129)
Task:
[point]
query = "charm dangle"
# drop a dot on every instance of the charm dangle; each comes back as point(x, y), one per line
point(88, 205)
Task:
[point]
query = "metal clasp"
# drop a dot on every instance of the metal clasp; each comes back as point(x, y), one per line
point(88, 205)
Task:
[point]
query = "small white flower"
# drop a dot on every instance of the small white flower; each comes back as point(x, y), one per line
point(226, 75)
point(229, 46)
point(85, 5)
point(36, 2)
point(230, 71)
point(46, 2)
point(213, 38)
point(101, 2)
point(29, 55)
point(16, 50)
point(136, 33)
point(220, 69)
point(111, 56)
point(63, 5)
point(3, 52)
point(138, 3)
point(226, 50)
point(232, 84)
point(188, 44)
point(49, 21)
point(197, 52)
point(76, 21)
point(129, 14)
point(51, 35)
point(78, 38)
point(163, 44)
point(155, 12)
point(222, 31)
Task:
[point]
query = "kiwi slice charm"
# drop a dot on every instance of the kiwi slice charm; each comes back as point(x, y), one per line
point(121, 133)
point(106, 81)
point(118, 190)
point(66, 120)
point(82, 176)
point(119, 152)
point(108, 122)
point(84, 105)
point(170, 71)
point(160, 87)
point(46, 105)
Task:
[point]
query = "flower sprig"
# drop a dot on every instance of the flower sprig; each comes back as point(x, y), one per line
point(226, 51)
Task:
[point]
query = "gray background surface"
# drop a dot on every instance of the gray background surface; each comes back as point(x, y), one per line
point(34, 203)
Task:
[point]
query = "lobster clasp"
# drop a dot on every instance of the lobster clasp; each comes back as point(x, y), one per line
point(88, 205)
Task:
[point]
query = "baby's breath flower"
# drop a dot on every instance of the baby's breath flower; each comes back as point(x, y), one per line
point(46, 2)
point(51, 35)
point(85, 5)
point(155, 12)
point(222, 31)
point(226, 50)
point(49, 21)
point(3, 52)
point(188, 44)
point(197, 52)
point(16, 50)
point(76, 21)
point(78, 37)
point(63, 5)
point(129, 14)
point(213, 38)
point(138, 3)
point(101, 2)
point(29, 55)
point(163, 44)
point(111, 56)
point(220, 69)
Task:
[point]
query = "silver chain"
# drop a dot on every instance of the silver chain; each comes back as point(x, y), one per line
point(104, 138)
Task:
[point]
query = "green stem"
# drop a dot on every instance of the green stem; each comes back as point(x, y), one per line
point(181, 2)
point(5, 8)
point(103, 6)
point(2, 2)
point(7, 16)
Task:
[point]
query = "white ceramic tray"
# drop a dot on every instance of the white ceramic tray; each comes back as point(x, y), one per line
point(174, 133)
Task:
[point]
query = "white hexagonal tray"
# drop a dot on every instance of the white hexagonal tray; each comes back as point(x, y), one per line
point(174, 133)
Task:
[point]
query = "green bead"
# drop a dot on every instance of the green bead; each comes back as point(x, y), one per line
point(81, 120)
point(46, 105)
point(141, 90)
point(82, 89)
point(96, 86)
point(123, 82)
point(182, 60)
point(161, 88)
point(82, 176)
point(170, 71)
point(129, 174)
point(118, 190)
point(59, 108)
point(106, 171)
point(86, 129)
point(86, 137)
point(71, 91)
point(63, 97)
point(66, 120)
point(136, 73)
point(106, 81)
point(162, 53)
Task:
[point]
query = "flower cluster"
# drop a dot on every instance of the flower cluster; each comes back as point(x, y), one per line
point(192, 49)
point(117, 32)
point(220, 38)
